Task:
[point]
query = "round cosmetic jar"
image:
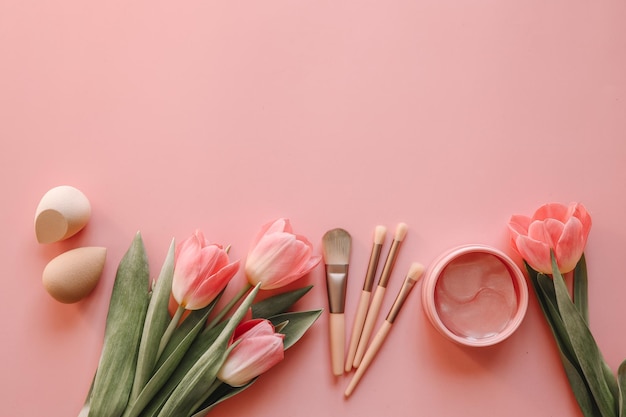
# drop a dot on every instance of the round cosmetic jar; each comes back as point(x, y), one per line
point(475, 295)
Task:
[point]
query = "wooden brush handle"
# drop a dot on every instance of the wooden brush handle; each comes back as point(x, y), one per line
point(372, 350)
point(337, 326)
point(357, 328)
point(370, 322)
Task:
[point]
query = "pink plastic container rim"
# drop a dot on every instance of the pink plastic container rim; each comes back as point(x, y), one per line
point(430, 282)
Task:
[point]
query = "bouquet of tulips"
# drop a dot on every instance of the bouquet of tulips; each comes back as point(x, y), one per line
point(156, 365)
point(552, 242)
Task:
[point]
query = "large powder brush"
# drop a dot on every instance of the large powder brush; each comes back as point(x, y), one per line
point(336, 245)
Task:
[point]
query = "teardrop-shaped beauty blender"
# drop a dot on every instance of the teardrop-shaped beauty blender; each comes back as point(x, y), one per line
point(72, 275)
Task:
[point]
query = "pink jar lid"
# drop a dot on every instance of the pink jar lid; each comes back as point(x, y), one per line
point(475, 295)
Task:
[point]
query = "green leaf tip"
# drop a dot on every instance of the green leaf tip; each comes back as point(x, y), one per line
point(294, 325)
point(278, 303)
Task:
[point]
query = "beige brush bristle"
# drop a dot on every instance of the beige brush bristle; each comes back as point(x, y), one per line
point(401, 230)
point(336, 244)
point(379, 234)
point(415, 271)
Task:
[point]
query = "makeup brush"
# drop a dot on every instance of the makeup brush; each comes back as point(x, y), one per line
point(364, 300)
point(336, 245)
point(374, 309)
point(415, 273)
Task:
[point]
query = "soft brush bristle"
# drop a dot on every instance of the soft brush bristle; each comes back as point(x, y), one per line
point(415, 271)
point(336, 245)
point(401, 230)
point(379, 235)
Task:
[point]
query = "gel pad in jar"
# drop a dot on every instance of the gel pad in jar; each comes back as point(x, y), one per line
point(475, 296)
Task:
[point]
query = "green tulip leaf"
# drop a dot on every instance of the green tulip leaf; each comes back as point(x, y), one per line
point(297, 323)
point(123, 330)
point(191, 392)
point(280, 326)
point(279, 303)
point(222, 393)
point(611, 382)
point(194, 322)
point(546, 289)
point(585, 348)
point(187, 396)
point(157, 319)
point(580, 388)
point(621, 379)
point(580, 289)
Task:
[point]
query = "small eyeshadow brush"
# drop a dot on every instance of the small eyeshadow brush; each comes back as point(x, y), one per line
point(336, 245)
point(364, 300)
point(415, 273)
point(374, 309)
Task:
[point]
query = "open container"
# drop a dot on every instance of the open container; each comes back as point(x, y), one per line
point(475, 295)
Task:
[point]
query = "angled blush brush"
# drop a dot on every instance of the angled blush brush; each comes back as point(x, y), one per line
point(336, 244)
point(377, 300)
point(364, 300)
point(415, 273)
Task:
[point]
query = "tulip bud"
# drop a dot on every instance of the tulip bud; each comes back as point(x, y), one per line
point(557, 227)
point(258, 349)
point(279, 257)
point(201, 272)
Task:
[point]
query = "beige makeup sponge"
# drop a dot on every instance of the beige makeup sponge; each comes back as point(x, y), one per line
point(72, 275)
point(62, 212)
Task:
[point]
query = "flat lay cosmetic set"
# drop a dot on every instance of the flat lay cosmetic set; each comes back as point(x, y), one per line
point(167, 353)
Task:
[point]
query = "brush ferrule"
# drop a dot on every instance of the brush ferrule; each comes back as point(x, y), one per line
point(371, 268)
point(336, 283)
point(389, 263)
point(407, 286)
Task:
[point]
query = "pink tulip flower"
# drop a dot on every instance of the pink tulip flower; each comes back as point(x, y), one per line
point(259, 349)
point(201, 272)
point(279, 257)
point(564, 229)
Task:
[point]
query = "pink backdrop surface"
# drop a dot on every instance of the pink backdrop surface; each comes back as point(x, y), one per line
point(174, 116)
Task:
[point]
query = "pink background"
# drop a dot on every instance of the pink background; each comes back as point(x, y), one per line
point(447, 115)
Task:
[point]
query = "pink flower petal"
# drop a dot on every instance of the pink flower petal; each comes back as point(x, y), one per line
point(537, 231)
point(519, 224)
point(276, 226)
point(536, 253)
point(252, 328)
point(578, 210)
point(554, 230)
point(247, 326)
point(570, 246)
point(210, 287)
point(551, 211)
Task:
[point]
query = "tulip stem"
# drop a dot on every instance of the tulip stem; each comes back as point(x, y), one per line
point(229, 306)
point(170, 329)
point(215, 385)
